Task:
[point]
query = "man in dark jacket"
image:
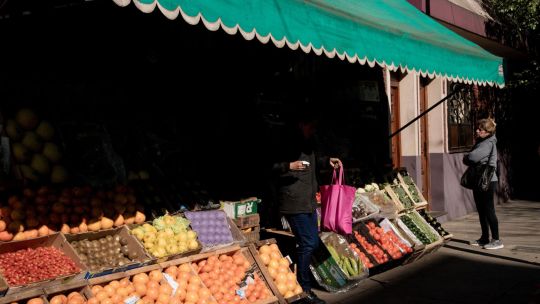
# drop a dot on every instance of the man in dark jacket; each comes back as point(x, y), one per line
point(296, 178)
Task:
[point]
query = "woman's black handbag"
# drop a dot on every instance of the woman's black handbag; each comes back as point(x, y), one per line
point(478, 177)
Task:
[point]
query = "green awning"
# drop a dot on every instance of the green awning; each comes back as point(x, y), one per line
point(390, 33)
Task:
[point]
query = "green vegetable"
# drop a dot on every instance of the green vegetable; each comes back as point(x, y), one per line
point(349, 267)
point(355, 267)
point(333, 252)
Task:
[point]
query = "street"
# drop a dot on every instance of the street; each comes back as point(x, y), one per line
point(460, 273)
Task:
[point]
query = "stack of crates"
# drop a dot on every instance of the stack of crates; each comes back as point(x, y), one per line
point(250, 226)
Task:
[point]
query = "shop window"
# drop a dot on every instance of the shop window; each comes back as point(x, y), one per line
point(460, 118)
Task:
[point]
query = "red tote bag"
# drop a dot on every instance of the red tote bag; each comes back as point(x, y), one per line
point(336, 205)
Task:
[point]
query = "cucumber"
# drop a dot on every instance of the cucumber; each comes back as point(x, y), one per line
point(354, 265)
point(333, 252)
point(348, 267)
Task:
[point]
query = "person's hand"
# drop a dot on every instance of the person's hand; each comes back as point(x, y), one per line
point(335, 162)
point(297, 166)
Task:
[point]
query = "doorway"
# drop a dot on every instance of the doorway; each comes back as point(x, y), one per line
point(424, 140)
point(395, 124)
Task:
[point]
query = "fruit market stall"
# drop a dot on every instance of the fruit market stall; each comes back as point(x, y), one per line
point(144, 241)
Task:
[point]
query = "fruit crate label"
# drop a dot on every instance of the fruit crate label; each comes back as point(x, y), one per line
point(172, 283)
point(131, 300)
point(238, 209)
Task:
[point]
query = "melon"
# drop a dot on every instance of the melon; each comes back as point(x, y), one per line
point(12, 130)
point(29, 173)
point(27, 119)
point(20, 152)
point(51, 151)
point(58, 174)
point(40, 164)
point(45, 130)
point(32, 141)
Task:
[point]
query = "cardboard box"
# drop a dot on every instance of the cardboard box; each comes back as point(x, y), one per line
point(57, 240)
point(241, 208)
point(133, 245)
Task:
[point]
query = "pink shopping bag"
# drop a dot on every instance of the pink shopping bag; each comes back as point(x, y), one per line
point(336, 205)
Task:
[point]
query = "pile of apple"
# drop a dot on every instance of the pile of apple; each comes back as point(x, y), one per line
point(45, 210)
point(278, 267)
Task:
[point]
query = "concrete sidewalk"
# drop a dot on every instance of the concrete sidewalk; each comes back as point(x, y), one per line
point(519, 229)
point(460, 273)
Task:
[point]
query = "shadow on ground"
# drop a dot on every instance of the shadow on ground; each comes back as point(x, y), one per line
point(449, 276)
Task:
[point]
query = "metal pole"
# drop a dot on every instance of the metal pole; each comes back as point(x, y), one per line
point(426, 111)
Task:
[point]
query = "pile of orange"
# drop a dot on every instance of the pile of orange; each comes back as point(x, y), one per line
point(280, 271)
point(222, 274)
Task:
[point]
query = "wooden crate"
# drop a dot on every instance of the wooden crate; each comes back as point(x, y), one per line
point(56, 240)
point(144, 257)
point(199, 256)
point(168, 257)
point(247, 221)
point(254, 250)
point(429, 248)
point(256, 267)
point(418, 205)
point(121, 275)
point(83, 290)
point(447, 238)
point(395, 199)
point(254, 235)
point(3, 286)
point(392, 191)
point(23, 296)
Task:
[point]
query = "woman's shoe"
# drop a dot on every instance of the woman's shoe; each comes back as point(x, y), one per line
point(479, 242)
point(311, 298)
point(494, 244)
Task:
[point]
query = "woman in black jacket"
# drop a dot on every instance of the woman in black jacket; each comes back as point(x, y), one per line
point(295, 173)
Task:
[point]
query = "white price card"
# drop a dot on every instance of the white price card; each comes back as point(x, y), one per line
point(131, 300)
point(172, 282)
